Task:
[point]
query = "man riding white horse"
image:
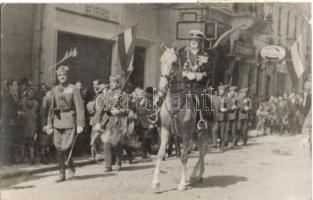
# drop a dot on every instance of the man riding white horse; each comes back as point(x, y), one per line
point(181, 117)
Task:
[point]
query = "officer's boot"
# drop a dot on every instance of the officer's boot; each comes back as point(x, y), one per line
point(107, 156)
point(71, 169)
point(61, 167)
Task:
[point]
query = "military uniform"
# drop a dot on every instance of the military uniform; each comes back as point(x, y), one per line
point(66, 113)
point(219, 117)
point(244, 105)
point(195, 69)
point(98, 118)
point(116, 127)
point(232, 115)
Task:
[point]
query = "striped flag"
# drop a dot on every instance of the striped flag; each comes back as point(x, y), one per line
point(126, 47)
point(297, 56)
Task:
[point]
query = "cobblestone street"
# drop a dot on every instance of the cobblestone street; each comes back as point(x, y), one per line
point(269, 167)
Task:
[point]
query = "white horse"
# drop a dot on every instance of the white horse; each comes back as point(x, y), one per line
point(182, 122)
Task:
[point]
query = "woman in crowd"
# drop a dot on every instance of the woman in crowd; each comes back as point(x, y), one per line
point(30, 108)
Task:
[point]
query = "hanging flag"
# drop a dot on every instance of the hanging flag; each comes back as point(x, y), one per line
point(126, 48)
point(225, 36)
point(296, 56)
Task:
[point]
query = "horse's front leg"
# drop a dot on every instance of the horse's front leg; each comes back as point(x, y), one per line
point(202, 141)
point(184, 159)
point(164, 139)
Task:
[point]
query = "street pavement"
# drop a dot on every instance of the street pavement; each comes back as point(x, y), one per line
point(268, 168)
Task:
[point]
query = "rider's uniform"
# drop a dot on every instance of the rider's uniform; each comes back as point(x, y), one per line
point(195, 69)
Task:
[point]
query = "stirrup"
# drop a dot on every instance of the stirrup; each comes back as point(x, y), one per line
point(202, 124)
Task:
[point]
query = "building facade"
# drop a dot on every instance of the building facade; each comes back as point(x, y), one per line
point(35, 36)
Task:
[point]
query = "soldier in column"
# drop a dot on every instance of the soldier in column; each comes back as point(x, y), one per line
point(245, 107)
point(219, 117)
point(65, 119)
point(116, 127)
point(232, 116)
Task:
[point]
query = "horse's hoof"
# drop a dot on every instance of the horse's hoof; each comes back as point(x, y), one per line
point(181, 187)
point(155, 186)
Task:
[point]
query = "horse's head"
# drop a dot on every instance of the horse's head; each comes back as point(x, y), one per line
point(167, 60)
point(168, 66)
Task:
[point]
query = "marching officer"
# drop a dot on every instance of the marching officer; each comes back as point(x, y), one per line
point(116, 127)
point(245, 106)
point(65, 119)
point(195, 69)
point(232, 116)
point(219, 117)
point(98, 118)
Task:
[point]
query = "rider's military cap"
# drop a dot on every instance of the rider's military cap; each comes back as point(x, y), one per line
point(196, 34)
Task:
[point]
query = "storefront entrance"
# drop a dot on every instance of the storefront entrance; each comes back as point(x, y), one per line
point(93, 59)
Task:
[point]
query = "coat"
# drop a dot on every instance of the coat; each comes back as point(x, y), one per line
point(67, 108)
point(218, 114)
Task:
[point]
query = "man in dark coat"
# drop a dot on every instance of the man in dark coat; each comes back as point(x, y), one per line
point(9, 116)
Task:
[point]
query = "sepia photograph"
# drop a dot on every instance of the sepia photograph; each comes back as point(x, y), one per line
point(206, 99)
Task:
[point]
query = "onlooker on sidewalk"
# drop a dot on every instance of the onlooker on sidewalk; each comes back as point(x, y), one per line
point(9, 115)
point(30, 107)
point(261, 118)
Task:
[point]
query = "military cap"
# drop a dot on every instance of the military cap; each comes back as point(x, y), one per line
point(222, 87)
point(116, 78)
point(196, 34)
point(243, 90)
point(232, 88)
point(63, 69)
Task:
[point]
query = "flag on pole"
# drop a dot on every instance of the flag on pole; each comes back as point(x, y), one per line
point(126, 48)
point(297, 56)
point(225, 36)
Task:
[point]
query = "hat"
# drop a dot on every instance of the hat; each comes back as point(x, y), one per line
point(222, 87)
point(115, 78)
point(232, 88)
point(196, 34)
point(63, 69)
point(243, 90)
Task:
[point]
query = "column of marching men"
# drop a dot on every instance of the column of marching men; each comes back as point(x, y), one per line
point(40, 125)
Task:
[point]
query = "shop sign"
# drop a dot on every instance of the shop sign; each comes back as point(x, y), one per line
point(102, 11)
point(242, 49)
point(273, 53)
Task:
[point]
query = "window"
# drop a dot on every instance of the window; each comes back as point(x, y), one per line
point(295, 25)
point(279, 21)
point(288, 22)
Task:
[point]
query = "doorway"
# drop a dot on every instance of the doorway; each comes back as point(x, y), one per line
point(137, 76)
point(93, 60)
